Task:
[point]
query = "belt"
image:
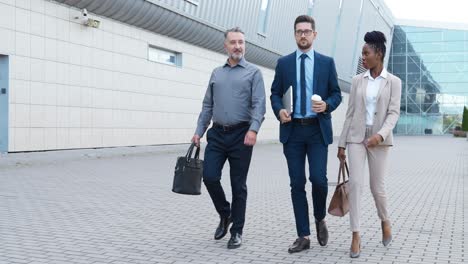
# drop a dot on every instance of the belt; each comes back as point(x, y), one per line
point(227, 128)
point(305, 121)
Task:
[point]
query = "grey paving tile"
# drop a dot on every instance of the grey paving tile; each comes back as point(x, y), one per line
point(116, 206)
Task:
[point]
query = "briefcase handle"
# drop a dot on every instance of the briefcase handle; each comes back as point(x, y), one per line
point(188, 156)
point(341, 171)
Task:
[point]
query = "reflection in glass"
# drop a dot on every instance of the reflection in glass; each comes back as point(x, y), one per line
point(433, 66)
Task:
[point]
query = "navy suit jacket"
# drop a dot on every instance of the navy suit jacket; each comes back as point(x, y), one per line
point(325, 84)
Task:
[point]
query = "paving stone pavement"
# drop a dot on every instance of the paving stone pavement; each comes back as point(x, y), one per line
point(116, 206)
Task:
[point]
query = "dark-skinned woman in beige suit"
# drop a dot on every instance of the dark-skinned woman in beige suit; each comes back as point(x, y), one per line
point(373, 111)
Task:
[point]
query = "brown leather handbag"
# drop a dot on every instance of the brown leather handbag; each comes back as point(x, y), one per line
point(339, 204)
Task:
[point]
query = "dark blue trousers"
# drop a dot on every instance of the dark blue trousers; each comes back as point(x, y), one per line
point(229, 146)
point(306, 141)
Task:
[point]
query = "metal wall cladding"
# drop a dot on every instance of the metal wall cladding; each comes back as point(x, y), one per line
point(203, 22)
point(164, 17)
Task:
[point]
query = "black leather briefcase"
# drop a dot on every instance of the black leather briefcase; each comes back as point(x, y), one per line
point(188, 173)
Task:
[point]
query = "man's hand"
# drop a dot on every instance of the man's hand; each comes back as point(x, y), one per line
point(374, 140)
point(250, 138)
point(319, 107)
point(196, 140)
point(284, 116)
point(341, 155)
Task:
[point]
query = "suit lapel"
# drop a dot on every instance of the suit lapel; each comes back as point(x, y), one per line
point(316, 72)
point(363, 86)
point(383, 84)
point(292, 74)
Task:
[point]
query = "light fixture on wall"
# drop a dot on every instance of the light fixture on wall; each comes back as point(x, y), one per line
point(87, 21)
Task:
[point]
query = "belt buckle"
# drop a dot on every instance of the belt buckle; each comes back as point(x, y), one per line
point(225, 128)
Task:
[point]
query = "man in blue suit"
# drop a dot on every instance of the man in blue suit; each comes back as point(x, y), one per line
point(307, 131)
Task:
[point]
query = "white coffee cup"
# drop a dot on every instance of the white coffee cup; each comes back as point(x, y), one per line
point(315, 99)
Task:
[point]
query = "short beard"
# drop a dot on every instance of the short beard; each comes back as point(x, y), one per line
point(236, 57)
point(304, 47)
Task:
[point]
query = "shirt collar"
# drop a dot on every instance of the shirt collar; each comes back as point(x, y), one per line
point(310, 54)
point(242, 63)
point(383, 74)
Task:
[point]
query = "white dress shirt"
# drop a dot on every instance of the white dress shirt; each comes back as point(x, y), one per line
point(373, 86)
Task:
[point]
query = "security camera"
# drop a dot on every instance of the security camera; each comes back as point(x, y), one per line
point(87, 21)
point(84, 16)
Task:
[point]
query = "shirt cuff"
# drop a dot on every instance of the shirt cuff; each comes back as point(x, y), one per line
point(255, 126)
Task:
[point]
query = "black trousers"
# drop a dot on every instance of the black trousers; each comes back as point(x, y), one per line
point(222, 146)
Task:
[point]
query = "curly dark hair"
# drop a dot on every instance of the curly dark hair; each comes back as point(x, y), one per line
point(376, 40)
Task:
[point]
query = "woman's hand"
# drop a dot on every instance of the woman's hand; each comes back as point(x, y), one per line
point(374, 140)
point(341, 155)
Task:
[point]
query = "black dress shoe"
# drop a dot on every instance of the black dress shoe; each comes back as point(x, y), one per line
point(235, 241)
point(299, 245)
point(322, 232)
point(222, 228)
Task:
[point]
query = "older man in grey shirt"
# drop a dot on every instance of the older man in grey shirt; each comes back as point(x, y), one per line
point(235, 101)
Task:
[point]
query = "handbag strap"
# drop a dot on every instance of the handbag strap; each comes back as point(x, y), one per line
point(188, 156)
point(189, 151)
point(342, 173)
point(197, 153)
point(347, 171)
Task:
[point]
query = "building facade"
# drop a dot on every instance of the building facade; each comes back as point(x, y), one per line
point(432, 63)
point(139, 77)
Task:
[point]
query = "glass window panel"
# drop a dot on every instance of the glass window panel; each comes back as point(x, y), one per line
point(449, 57)
point(454, 87)
point(164, 56)
point(453, 35)
point(454, 67)
point(410, 29)
point(450, 77)
point(399, 59)
point(422, 47)
point(437, 65)
point(424, 36)
point(399, 48)
point(431, 57)
point(454, 46)
point(310, 7)
point(413, 68)
point(414, 59)
point(263, 16)
point(433, 67)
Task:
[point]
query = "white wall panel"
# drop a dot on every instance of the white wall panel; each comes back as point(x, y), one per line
point(76, 87)
point(346, 37)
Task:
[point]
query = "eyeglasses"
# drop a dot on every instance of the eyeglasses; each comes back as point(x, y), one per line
point(307, 32)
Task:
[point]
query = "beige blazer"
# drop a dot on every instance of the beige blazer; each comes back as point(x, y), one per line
point(387, 110)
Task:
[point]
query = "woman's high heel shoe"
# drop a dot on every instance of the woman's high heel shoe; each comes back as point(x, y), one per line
point(353, 254)
point(386, 233)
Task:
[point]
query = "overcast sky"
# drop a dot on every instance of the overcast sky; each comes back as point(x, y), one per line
point(454, 11)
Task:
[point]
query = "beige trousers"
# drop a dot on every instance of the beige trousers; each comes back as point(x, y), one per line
point(377, 161)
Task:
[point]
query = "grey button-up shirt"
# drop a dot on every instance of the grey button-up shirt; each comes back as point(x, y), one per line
point(234, 94)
